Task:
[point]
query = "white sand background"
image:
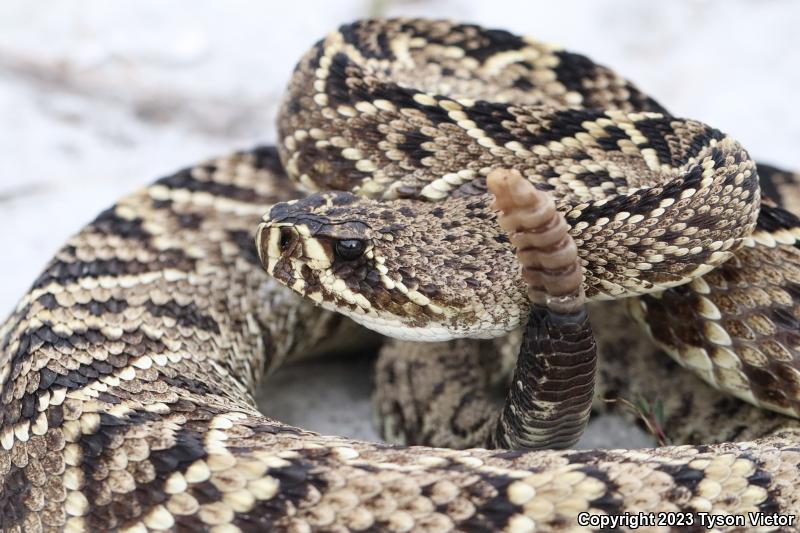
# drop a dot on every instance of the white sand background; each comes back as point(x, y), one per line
point(98, 98)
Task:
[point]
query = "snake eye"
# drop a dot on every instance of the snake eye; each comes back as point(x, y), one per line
point(350, 249)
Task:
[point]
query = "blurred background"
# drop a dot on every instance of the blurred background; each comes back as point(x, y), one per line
point(98, 98)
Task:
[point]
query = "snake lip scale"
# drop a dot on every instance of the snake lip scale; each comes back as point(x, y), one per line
point(129, 368)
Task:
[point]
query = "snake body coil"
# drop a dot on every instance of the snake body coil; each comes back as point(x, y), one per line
point(127, 371)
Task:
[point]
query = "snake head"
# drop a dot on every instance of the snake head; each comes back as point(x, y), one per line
point(404, 268)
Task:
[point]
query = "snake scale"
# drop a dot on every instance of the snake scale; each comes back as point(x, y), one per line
point(127, 371)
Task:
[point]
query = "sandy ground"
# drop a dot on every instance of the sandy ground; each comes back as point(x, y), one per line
point(98, 98)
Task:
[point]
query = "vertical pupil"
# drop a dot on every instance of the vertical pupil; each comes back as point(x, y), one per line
point(349, 249)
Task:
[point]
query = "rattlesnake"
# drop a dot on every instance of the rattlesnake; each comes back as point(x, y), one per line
point(127, 371)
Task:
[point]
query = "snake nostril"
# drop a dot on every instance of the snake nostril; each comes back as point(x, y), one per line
point(286, 240)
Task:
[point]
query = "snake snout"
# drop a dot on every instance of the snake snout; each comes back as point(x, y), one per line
point(275, 243)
